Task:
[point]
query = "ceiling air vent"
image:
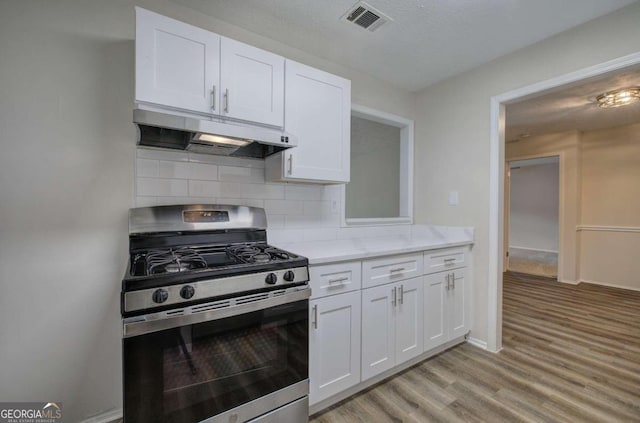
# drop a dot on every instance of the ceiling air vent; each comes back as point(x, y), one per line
point(366, 16)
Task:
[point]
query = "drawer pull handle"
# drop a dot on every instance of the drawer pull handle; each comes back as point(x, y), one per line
point(401, 294)
point(343, 279)
point(393, 296)
point(397, 269)
point(449, 260)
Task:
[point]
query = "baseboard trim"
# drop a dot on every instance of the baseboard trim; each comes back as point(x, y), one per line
point(477, 343)
point(568, 282)
point(540, 250)
point(610, 285)
point(106, 417)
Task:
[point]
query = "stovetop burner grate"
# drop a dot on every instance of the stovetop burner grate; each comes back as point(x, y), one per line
point(257, 253)
point(173, 260)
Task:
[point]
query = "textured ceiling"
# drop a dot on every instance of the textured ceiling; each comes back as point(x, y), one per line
point(573, 107)
point(428, 40)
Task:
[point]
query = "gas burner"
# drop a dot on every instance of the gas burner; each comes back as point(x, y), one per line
point(258, 254)
point(173, 261)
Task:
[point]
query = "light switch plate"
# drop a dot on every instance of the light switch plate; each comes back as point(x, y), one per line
point(453, 198)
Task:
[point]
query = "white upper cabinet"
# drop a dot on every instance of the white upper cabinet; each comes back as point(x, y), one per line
point(318, 113)
point(177, 65)
point(252, 83)
point(188, 68)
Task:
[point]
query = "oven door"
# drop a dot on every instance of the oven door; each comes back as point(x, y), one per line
point(228, 364)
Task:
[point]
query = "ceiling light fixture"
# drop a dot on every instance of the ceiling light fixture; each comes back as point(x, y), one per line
point(618, 98)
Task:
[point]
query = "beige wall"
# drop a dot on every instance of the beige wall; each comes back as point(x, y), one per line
point(66, 183)
point(611, 201)
point(453, 128)
point(533, 207)
point(567, 146)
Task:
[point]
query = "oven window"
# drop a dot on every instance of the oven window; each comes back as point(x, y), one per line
point(194, 372)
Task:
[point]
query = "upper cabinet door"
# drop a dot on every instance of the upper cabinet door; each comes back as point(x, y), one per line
point(318, 113)
point(252, 83)
point(177, 65)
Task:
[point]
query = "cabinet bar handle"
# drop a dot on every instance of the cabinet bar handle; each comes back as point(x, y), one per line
point(290, 160)
point(393, 296)
point(226, 100)
point(345, 278)
point(213, 98)
point(453, 281)
point(449, 260)
point(314, 322)
point(397, 269)
point(447, 279)
point(401, 294)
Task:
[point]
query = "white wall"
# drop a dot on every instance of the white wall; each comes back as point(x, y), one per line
point(533, 199)
point(67, 181)
point(610, 238)
point(453, 127)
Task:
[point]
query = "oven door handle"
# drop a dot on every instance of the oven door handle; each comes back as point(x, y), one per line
point(141, 325)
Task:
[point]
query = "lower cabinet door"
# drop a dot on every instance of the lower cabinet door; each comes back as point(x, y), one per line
point(409, 319)
point(459, 297)
point(378, 330)
point(334, 345)
point(435, 310)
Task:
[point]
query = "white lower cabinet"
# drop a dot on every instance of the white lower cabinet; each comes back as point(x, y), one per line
point(446, 315)
point(392, 325)
point(334, 344)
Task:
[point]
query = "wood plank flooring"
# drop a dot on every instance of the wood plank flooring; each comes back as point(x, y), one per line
point(571, 354)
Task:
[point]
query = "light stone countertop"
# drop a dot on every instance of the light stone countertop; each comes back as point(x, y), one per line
point(420, 238)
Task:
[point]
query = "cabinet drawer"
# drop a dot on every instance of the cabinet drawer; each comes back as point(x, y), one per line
point(391, 269)
point(335, 278)
point(439, 260)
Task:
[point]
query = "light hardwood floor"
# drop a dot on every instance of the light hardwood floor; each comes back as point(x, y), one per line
point(571, 354)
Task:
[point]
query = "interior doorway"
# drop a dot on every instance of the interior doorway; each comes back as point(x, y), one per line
point(532, 216)
point(497, 183)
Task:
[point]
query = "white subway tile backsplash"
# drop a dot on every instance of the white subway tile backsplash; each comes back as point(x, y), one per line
point(260, 191)
point(173, 170)
point(226, 160)
point(303, 192)
point(317, 208)
point(161, 187)
point(159, 154)
point(146, 168)
point(165, 201)
point(251, 202)
point(241, 174)
point(203, 171)
point(142, 201)
point(286, 207)
point(312, 221)
point(319, 234)
point(275, 221)
point(204, 188)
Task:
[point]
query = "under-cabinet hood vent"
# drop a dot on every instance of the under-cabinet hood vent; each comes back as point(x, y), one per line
point(366, 16)
point(207, 136)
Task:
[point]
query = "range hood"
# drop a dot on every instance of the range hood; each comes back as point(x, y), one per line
point(176, 132)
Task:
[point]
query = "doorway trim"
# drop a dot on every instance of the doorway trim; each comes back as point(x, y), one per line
point(496, 180)
point(561, 202)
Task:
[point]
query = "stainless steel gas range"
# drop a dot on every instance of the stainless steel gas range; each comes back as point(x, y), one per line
point(215, 320)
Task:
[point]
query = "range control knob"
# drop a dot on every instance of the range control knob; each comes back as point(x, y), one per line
point(160, 296)
point(289, 276)
point(187, 292)
point(271, 278)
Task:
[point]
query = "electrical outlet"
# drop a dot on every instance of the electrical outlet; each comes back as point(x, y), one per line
point(334, 206)
point(453, 198)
